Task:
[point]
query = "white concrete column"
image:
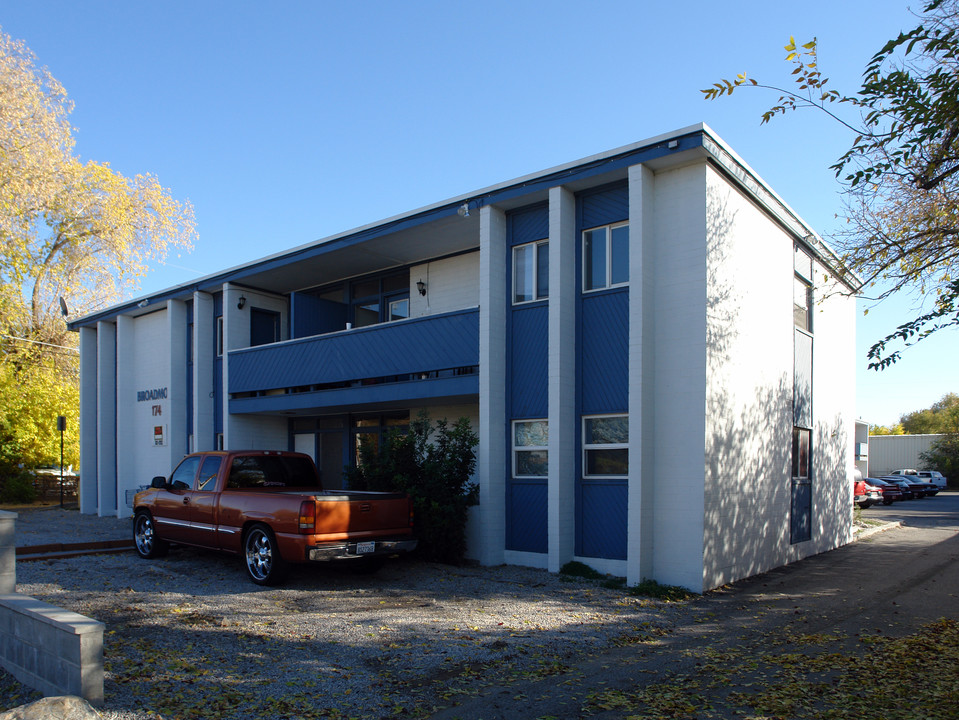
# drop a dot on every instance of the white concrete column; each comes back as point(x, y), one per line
point(126, 392)
point(491, 459)
point(176, 328)
point(87, 492)
point(106, 419)
point(204, 330)
point(236, 334)
point(563, 455)
point(639, 539)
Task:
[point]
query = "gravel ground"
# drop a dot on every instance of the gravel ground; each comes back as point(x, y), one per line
point(189, 636)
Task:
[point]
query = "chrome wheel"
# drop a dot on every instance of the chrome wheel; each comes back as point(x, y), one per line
point(147, 544)
point(263, 561)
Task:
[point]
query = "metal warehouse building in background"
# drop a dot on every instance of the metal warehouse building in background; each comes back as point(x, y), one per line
point(656, 352)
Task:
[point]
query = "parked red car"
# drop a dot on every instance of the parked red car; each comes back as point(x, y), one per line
point(890, 492)
point(865, 495)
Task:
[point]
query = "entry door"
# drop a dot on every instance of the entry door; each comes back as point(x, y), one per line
point(326, 449)
point(331, 460)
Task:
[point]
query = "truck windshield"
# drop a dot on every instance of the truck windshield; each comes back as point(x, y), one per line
point(257, 471)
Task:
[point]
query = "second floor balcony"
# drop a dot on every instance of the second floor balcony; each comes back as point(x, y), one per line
point(344, 366)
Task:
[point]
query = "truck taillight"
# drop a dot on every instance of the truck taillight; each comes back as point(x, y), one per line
point(307, 517)
point(409, 502)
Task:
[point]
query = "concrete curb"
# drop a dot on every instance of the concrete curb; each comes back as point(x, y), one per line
point(62, 550)
point(870, 531)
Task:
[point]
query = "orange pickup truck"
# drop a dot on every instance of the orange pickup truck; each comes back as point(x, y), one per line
point(270, 508)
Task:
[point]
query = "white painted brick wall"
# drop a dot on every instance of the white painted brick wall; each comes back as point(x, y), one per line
point(151, 370)
point(451, 284)
point(675, 438)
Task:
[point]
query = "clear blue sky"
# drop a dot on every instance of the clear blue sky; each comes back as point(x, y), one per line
point(286, 122)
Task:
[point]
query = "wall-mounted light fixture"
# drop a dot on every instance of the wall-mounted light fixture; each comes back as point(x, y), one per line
point(672, 144)
point(240, 303)
point(464, 210)
point(421, 287)
point(143, 303)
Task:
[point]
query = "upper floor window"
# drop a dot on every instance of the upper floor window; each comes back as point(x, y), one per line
point(219, 336)
point(606, 256)
point(531, 271)
point(802, 304)
point(380, 299)
point(802, 289)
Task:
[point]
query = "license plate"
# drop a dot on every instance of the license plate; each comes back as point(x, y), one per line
point(365, 547)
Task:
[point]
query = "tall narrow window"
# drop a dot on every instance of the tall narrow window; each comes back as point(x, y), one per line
point(606, 257)
point(802, 304)
point(219, 336)
point(531, 271)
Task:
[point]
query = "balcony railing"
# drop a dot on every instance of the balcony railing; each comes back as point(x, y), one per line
point(406, 349)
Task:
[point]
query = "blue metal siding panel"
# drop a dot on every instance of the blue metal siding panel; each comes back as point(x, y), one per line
point(526, 504)
point(609, 205)
point(437, 342)
point(448, 390)
point(605, 352)
point(314, 316)
point(528, 225)
point(529, 361)
point(602, 519)
point(800, 516)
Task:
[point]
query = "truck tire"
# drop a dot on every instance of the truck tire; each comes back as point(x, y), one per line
point(262, 557)
point(148, 545)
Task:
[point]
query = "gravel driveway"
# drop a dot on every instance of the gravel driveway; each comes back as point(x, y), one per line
point(189, 636)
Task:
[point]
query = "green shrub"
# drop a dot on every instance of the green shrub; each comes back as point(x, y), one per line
point(574, 568)
point(17, 488)
point(434, 464)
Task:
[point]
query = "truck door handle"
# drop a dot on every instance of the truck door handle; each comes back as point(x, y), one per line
point(186, 501)
point(366, 507)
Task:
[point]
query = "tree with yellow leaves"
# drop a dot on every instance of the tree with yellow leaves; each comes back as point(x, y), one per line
point(68, 229)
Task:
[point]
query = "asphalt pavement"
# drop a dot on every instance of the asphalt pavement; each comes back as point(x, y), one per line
point(889, 585)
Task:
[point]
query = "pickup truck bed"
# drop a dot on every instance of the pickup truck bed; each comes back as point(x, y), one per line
point(268, 507)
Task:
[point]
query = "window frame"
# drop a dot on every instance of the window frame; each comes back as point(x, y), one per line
point(608, 270)
point(515, 448)
point(537, 246)
point(586, 447)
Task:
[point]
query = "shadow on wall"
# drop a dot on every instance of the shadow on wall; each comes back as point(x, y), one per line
point(749, 412)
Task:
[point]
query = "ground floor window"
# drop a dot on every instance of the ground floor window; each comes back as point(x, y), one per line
point(606, 446)
point(530, 448)
point(368, 431)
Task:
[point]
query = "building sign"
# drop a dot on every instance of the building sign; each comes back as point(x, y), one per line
point(155, 394)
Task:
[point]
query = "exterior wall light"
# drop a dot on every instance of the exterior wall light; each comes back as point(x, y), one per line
point(421, 286)
point(143, 303)
point(464, 210)
point(240, 303)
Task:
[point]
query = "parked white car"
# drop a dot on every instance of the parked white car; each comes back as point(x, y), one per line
point(932, 476)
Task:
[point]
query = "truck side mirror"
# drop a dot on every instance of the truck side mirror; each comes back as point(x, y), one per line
point(159, 482)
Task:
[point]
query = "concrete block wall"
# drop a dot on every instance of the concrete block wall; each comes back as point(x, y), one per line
point(8, 552)
point(52, 650)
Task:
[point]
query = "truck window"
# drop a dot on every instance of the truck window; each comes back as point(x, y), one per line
point(182, 478)
point(271, 471)
point(208, 472)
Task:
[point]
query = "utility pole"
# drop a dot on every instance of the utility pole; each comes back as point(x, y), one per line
point(61, 426)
